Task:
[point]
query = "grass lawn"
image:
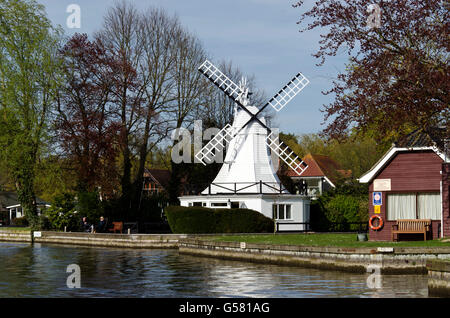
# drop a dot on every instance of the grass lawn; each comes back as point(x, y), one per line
point(325, 239)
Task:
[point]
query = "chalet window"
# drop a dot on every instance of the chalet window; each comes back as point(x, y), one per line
point(281, 211)
point(198, 204)
point(413, 206)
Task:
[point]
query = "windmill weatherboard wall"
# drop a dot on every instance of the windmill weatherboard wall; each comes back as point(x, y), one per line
point(247, 178)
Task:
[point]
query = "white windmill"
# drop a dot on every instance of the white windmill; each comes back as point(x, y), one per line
point(248, 178)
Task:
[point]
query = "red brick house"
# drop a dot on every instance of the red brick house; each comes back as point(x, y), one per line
point(411, 181)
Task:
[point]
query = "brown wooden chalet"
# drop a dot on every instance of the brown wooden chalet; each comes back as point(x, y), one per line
point(410, 183)
point(323, 174)
point(156, 180)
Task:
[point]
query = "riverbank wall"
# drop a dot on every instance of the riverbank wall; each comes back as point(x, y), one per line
point(399, 260)
point(439, 278)
point(15, 236)
point(165, 241)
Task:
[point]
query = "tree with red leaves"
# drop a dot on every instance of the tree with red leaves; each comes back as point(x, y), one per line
point(85, 125)
point(397, 78)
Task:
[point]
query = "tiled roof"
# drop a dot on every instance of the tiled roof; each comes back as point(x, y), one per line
point(321, 166)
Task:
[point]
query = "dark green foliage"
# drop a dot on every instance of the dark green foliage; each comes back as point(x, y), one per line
point(90, 206)
point(192, 220)
point(151, 207)
point(44, 223)
point(338, 208)
point(58, 219)
point(148, 209)
point(22, 221)
point(66, 201)
point(61, 215)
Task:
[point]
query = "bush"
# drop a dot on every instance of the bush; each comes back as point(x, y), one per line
point(89, 205)
point(22, 221)
point(343, 209)
point(196, 220)
point(44, 223)
point(318, 219)
point(337, 212)
point(58, 219)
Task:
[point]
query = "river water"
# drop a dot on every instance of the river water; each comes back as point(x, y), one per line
point(40, 270)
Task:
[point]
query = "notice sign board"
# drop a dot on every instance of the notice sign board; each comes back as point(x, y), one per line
point(382, 185)
point(377, 209)
point(377, 198)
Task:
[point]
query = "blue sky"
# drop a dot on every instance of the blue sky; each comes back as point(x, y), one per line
point(261, 37)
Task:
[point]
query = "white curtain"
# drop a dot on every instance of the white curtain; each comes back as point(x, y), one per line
point(401, 206)
point(429, 206)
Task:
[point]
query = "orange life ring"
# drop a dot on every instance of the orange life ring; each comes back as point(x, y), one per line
point(380, 222)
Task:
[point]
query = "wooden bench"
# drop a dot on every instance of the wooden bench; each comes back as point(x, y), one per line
point(411, 226)
point(117, 226)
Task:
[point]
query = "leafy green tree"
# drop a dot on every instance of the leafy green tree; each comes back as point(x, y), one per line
point(28, 78)
point(89, 205)
point(355, 152)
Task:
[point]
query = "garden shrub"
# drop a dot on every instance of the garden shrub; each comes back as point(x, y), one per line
point(342, 209)
point(89, 205)
point(337, 212)
point(337, 208)
point(196, 220)
point(21, 221)
point(58, 219)
point(44, 223)
point(318, 219)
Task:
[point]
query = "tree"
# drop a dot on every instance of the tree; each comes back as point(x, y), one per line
point(122, 38)
point(397, 78)
point(156, 91)
point(29, 76)
point(86, 129)
point(356, 152)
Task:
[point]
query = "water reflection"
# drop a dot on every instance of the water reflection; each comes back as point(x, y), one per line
point(40, 271)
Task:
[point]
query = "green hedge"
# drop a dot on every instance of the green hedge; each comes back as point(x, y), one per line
point(196, 220)
point(336, 213)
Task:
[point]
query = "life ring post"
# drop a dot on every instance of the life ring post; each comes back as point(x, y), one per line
point(380, 222)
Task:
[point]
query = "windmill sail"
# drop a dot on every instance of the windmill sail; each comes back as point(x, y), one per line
point(221, 80)
point(286, 154)
point(288, 92)
point(218, 143)
point(238, 94)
